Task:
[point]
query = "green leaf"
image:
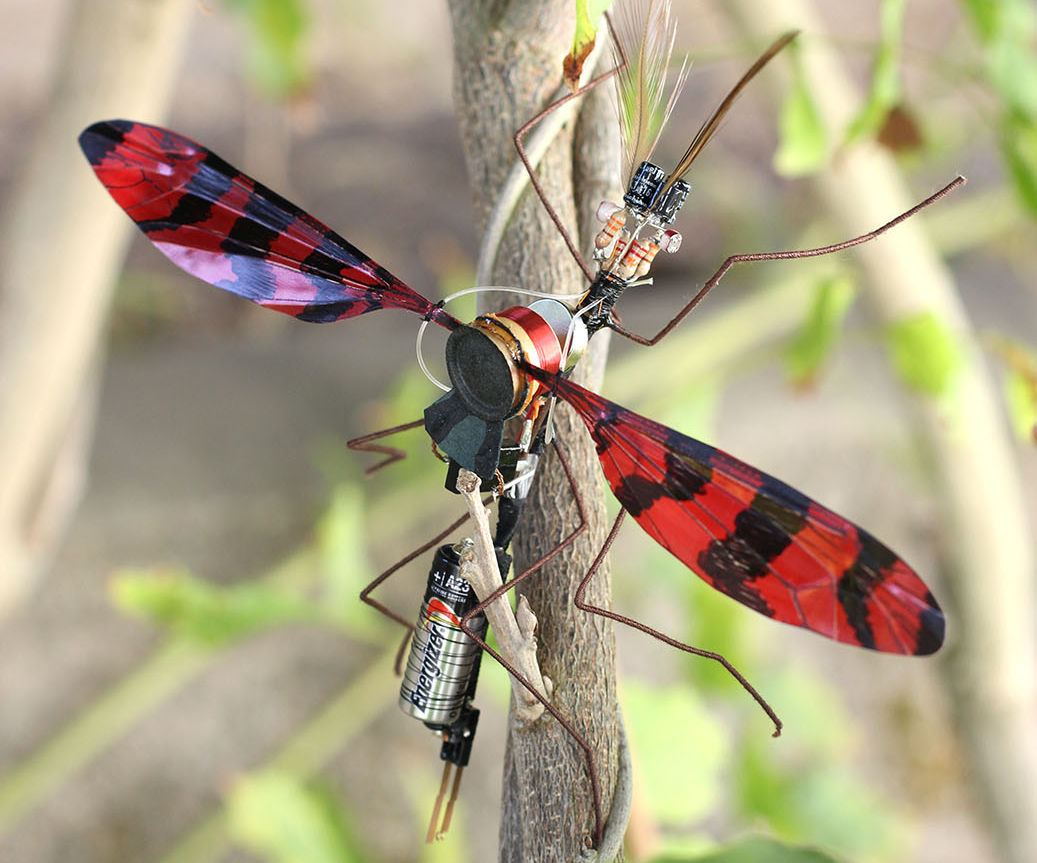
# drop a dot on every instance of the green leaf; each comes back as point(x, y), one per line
point(276, 56)
point(680, 783)
point(274, 815)
point(884, 93)
point(1021, 398)
point(1020, 385)
point(341, 543)
point(1019, 148)
point(1010, 59)
point(984, 16)
point(587, 14)
point(843, 814)
point(924, 353)
point(808, 349)
point(204, 612)
point(754, 850)
point(803, 139)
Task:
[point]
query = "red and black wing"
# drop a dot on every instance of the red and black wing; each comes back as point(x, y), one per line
point(232, 232)
point(755, 538)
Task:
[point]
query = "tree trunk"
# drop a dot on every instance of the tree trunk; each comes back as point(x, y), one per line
point(62, 242)
point(507, 66)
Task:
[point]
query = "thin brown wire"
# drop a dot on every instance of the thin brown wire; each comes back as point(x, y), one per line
point(362, 444)
point(713, 280)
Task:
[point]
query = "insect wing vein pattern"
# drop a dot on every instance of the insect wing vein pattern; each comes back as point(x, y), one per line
point(229, 230)
point(755, 538)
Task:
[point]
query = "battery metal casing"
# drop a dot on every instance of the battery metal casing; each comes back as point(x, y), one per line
point(443, 658)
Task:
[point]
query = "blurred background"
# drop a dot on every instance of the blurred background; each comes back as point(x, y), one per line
point(185, 671)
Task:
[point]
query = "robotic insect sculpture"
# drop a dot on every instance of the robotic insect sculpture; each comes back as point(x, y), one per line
point(745, 533)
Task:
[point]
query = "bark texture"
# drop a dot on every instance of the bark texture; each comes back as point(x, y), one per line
point(507, 65)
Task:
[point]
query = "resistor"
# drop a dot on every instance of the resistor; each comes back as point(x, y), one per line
point(637, 260)
point(614, 217)
point(645, 264)
point(618, 250)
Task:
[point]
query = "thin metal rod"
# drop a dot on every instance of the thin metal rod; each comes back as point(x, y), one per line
point(433, 833)
point(365, 594)
point(713, 280)
point(449, 813)
point(362, 444)
point(654, 633)
point(519, 139)
point(570, 729)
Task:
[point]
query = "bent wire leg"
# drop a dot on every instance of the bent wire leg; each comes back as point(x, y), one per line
point(363, 444)
point(713, 280)
point(519, 138)
point(654, 633)
point(592, 767)
point(365, 594)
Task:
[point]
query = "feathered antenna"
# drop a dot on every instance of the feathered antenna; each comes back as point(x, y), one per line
point(709, 128)
point(644, 106)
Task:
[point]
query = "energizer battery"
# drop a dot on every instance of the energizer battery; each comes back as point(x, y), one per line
point(443, 660)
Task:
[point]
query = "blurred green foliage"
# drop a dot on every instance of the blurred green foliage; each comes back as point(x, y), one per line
point(1021, 396)
point(284, 821)
point(680, 750)
point(213, 615)
point(278, 63)
point(803, 144)
point(805, 353)
point(924, 353)
point(884, 93)
point(751, 850)
point(701, 767)
point(1020, 385)
point(322, 591)
point(1006, 31)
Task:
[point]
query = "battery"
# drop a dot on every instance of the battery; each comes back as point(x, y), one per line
point(443, 658)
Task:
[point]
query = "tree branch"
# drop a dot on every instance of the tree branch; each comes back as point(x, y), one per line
point(504, 74)
point(57, 268)
point(514, 629)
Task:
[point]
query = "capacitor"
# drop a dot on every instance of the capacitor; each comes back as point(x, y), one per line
point(644, 188)
point(670, 201)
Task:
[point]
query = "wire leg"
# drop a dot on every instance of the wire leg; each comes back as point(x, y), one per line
point(713, 280)
point(363, 444)
point(654, 633)
point(592, 768)
point(519, 139)
point(434, 831)
point(449, 813)
point(365, 594)
point(532, 568)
